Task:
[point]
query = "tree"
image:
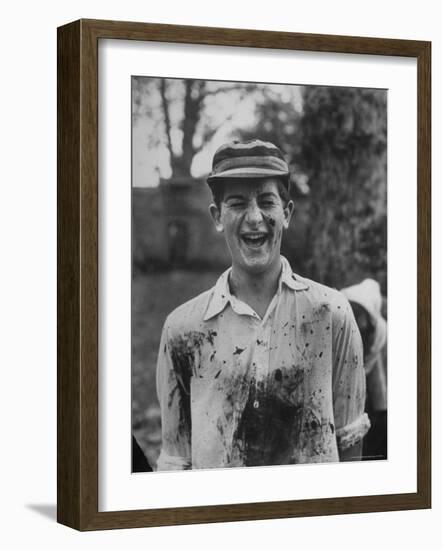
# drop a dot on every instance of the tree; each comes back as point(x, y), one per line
point(185, 114)
point(344, 153)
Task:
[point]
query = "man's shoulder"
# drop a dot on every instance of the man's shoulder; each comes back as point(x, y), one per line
point(319, 294)
point(190, 315)
point(317, 290)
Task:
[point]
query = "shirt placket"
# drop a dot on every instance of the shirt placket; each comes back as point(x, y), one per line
point(261, 358)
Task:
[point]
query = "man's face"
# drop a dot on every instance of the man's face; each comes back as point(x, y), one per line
point(252, 217)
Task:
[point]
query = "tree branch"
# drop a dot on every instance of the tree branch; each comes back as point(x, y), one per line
point(166, 115)
point(224, 89)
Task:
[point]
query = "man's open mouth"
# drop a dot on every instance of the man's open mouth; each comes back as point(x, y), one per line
point(254, 240)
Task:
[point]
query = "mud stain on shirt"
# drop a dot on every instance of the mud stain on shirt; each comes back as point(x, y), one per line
point(210, 337)
point(183, 351)
point(269, 426)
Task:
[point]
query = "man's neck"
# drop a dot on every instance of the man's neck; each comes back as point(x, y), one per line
point(256, 290)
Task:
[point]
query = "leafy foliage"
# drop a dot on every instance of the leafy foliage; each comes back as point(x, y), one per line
point(344, 152)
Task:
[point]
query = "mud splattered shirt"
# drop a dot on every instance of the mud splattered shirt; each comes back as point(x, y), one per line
point(238, 390)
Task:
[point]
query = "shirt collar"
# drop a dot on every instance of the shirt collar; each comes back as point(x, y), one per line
point(291, 280)
point(221, 293)
point(220, 296)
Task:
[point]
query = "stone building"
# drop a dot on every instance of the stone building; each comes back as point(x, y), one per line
point(172, 227)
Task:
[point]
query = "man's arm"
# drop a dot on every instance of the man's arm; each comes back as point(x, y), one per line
point(351, 422)
point(174, 401)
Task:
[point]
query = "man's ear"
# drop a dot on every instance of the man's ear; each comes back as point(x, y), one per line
point(215, 212)
point(288, 212)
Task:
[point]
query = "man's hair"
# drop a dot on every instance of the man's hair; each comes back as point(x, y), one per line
point(218, 192)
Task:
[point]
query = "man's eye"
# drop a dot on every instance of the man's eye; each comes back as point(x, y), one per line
point(267, 204)
point(236, 204)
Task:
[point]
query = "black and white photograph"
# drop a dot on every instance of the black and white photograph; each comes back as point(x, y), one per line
point(259, 274)
point(220, 263)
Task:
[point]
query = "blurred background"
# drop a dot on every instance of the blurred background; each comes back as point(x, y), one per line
point(335, 140)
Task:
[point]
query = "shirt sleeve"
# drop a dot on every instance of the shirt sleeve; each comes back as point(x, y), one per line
point(174, 399)
point(351, 422)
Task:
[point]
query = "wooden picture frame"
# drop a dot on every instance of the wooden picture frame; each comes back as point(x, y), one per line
point(77, 223)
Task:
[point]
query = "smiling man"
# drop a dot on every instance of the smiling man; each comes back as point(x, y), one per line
point(266, 367)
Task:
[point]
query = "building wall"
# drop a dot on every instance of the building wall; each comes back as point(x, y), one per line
point(172, 227)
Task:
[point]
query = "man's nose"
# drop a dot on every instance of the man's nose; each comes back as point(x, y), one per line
point(253, 214)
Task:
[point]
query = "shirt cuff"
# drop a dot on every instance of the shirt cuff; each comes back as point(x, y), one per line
point(169, 462)
point(353, 433)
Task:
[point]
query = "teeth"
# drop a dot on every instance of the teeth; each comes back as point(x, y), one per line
point(256, 240)
point(254, 237)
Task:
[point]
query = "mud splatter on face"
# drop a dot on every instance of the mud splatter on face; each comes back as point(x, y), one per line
point(238, 350)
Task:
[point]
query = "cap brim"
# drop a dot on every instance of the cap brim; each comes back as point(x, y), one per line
point(248, 172)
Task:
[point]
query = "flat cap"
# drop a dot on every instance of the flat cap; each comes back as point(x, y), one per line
point(251, 159)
